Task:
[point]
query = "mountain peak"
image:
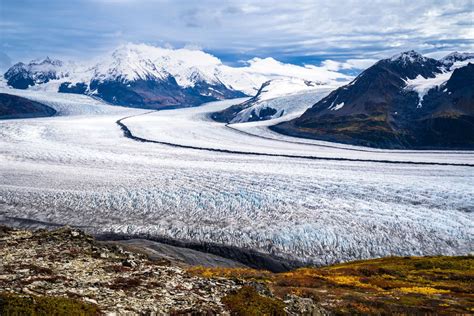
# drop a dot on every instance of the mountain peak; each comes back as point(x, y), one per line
point(410, 56)
point(46, 61)
point(455, 57)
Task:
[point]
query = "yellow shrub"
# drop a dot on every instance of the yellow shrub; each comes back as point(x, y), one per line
point(422, 290)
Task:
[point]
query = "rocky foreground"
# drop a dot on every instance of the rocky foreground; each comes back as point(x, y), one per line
point(66, 272)
point(68, 263)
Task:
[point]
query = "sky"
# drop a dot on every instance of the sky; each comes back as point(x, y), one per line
point(345, 33)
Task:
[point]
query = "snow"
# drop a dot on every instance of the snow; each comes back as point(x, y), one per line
point(408, 57)
point(42, 69)
point(286, 96)
point(131, 62)
point(194, 127)
point(422, 85)
point(78, 169)
point(285, 106)
point(280, 87)
point(337, 106)
point(273, 69)
point(456, 57)
point(68, 104)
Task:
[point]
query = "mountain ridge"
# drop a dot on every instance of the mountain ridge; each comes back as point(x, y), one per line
point(140, 75)
point(396, 104)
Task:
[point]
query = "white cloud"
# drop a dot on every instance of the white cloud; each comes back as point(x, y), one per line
point(271, 67)
point(338, 29)
point(357, 64)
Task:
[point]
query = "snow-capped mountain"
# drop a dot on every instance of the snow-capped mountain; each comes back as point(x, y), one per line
point(407, 101)
point(422, 85)
point(454, 57)
point(21, 75)
point(147, 76)
point(275, 98)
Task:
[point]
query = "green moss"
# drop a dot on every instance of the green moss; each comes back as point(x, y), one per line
point(12, 304)
point(248, 302)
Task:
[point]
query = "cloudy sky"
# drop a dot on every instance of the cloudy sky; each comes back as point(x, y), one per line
point(297, 31)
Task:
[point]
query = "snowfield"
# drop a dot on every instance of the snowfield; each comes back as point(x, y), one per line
point(79, 169)
point(285, 96)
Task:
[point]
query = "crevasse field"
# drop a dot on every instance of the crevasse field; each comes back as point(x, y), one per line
point(77, 168)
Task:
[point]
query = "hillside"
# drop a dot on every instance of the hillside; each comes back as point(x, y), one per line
point(12, 106)
point(386, 286)
point(407, 101)
point(67, 272)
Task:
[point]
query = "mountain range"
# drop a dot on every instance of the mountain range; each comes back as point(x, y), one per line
point(407, 101)
point(140, 75)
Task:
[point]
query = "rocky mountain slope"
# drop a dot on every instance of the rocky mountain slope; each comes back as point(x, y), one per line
point(64, 272)
point(12, 106)
point(153, 77)
point(407, 101)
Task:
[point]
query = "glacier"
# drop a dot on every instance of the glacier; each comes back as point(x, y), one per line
point(77, 168)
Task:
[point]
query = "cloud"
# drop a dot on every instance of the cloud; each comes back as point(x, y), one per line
point(5, 61)
point(316, 30)
point(357, 64)
point(274, 68)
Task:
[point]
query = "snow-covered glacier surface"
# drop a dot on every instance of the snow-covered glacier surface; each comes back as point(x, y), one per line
point(79, 169)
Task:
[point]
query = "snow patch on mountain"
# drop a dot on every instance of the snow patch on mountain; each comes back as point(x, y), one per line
point(337, 106)
point(132, 62)
point(422, 85)
point(409, 57)
point(279, 97)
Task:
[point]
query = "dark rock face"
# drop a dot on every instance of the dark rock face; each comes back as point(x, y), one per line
point(156, 94)
point(450, 118)
point(68, 87)
point(12, 107)
point(228, 114)
point(18, 77)
point(148, 92)
point(225, 116)
point(265, 114)
point(376, 110)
